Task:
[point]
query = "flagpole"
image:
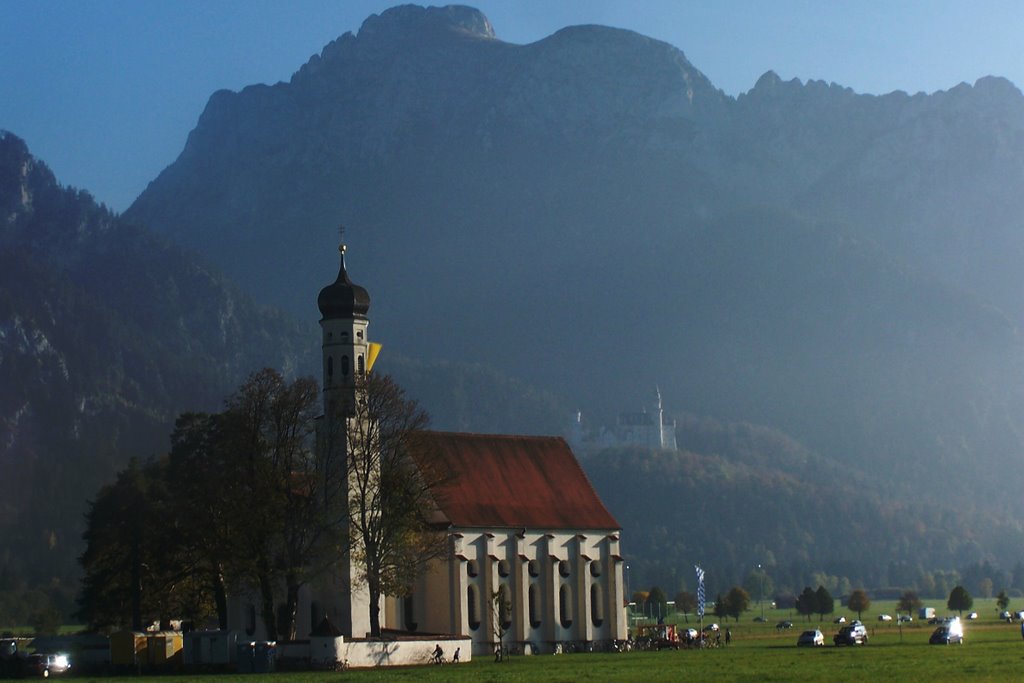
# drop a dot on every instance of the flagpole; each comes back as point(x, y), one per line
point(700, 601)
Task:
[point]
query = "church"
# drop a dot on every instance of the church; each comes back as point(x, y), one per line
point(523, 528)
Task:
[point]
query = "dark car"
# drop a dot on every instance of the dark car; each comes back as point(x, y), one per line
point(950, 632)
point(852, 634)
point(18, 664)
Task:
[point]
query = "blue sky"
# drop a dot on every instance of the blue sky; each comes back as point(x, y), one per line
point(106, 91)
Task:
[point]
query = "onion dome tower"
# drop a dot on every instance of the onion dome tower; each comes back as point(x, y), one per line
point(343, 307)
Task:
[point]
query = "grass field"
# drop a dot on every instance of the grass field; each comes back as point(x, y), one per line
point(994, 650)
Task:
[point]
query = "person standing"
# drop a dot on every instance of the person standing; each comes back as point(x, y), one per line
point(728, 636)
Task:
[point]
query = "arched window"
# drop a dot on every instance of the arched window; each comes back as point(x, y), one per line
point(595, 569)
point(250, 620)
point(535, 616)
point(565, 605)
point(504, 568)
point(472, 568)
point(362, 365)
point(596, 605)
point(344, 366)
point(533, 566)
point(563, 568)
point(473, 605)
point(330, 368)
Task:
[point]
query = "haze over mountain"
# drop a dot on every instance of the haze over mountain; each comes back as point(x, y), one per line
point(590, 213)
point(584, 217)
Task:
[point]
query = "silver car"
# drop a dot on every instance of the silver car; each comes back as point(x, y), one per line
point(813, 638)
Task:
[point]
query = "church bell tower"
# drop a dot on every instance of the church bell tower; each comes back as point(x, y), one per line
point(343, 307)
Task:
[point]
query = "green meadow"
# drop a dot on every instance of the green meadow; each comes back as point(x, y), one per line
point(994, 650)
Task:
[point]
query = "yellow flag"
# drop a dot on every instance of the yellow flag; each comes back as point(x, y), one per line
point(372, 354)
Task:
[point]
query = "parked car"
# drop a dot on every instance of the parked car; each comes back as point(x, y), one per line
point(1005, 616)
point(972, 616)
point(710, 628)
point(885, 617)
point(45, 665)
point(839, 620)
point(904, 618)
point(783, 625)
point(950, 632)
point(813, 638)
point(759, 619)
point(852, 634)
point(16, 663)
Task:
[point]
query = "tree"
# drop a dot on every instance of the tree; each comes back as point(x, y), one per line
point(686, 603)
point(858, 601)
point(285, 502)
point(390, 474)
point(501, 619)
point(657, 603)
point(721, 608)
point(1002, 600)
point(807, 602)
point(960, 599)
point(759, 584)
point(736, 602)
point(124, 553)
point(908, 602)
point(826, 604)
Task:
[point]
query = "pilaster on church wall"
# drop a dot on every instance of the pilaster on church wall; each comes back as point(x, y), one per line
point(616, 612)
point(521, 588)
point(581, 578)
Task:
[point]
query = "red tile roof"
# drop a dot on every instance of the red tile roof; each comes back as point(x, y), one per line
point(514, 481)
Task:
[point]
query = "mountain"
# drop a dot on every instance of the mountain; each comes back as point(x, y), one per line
point(590, 216)
point(107, 332)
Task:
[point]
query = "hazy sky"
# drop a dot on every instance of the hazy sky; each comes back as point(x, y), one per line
point(106, 91)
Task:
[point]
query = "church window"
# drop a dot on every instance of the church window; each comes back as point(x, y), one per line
point(596, 605)
point(533, 566)
point(250, 620)
point(473, 607)
point(344, 366)
point(407, 614)
point(330, 367)
point(362, 365)
point(563, 567)
point(315, 615)
point(535, 620)
point(472, 568)
point(359, 334)
point(504, 569)
point(595, 569)
point(565, 606)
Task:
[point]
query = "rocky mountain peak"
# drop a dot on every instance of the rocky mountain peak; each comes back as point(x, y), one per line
point(399, 22)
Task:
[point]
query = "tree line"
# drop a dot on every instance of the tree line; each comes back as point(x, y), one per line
point(257, 498)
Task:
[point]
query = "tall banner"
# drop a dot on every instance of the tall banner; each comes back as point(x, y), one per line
point(700, 590)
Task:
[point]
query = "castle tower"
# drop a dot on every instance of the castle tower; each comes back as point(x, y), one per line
point(343, 307)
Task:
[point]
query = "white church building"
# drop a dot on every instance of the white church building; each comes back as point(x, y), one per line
point(520, 519)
